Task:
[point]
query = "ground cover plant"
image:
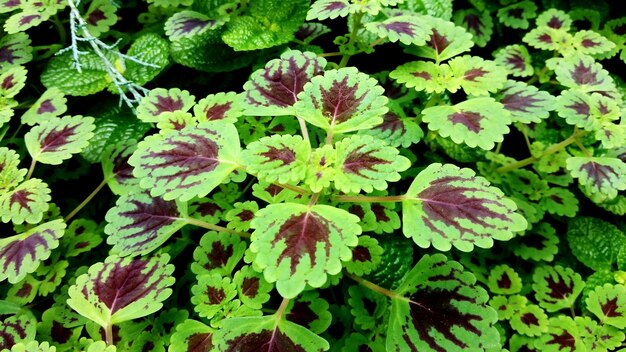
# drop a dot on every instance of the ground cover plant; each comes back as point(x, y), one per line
point(344, 175)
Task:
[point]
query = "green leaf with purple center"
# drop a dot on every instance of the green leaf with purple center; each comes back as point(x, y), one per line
point(217, 252)
point(186, 23)
point(583, 73)
point(50, 104)
point(57, 139)
point(330, 9)
point(161, 100)
point(227, 107)
point(252, 289)
point(518, 14)
point(409, 30)
point(366, 256)
point(25, 203)
point(515, 59)
point(282, 158)
point(530, 320)
point(478, 24)
point(211, 294)
point(504, 280)
point(192, 336)
point(310, 311)
point(476, 75)
point(603, 177)
point(15, 49)
point(556, 287)
point(608, 304)
point(446, 40)
point(525, 103)
point(10, 173)
point(538, 243)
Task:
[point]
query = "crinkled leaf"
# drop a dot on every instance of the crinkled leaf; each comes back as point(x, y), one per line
point(273, 90)
point(17, 328)
point(282, 158)
point(58, 138)
point(525, 103)
point(539, 243)
point(227, 107)
point(608, 303)
point(515, 59)
point(21, 254)
point(477, 76)
point(603, 177)
point(60, 72)
point(591, 43)
point(15, 49)
point(397, 131)
point(51, 104)
point(10, 173)
point(187, 163)
point(297, 245)
point(121, 289)
point(99, 17)
point(25, 203)
point(161, 100)
point(139, 223)
point(504, 280)
point(151, 49)
point(556, 287)
point(476, 122)
point(406, 29)
point(191, 336)
point(583, 73)
point(82, 235)
point(447, 206)
point(266, 23)
point(217, 253)
point(342, 101)
point(265, 334)
point(595, 242)
point(189, 23)
point(252, 289)
point(310, 311)
point(518, 14)
point(530, 320)
point(366, 163)
point(478, 24)
point(211, 294)
point(440, 309)
point(330, 9)
point(12, 80)
point(366, 256)
point(446, 40)
point(427, 76)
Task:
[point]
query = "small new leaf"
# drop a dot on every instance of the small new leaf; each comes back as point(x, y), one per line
point(477, 76)
point(217, 253)
point(406, 29)
point(50, 105)
point(282, 158)
point(446, 40)
point(160, 101)
point(515, 59)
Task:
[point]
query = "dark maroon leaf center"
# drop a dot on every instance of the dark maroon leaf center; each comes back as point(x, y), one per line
point(22, 197)
point(167, 103)
point(438, 42)
point(301, 235)
point(56, 138)
point(555, 22)
point(533, 240)
point(565, 340)
point(504, 282)
point(199, 343)
point(7, 54)
point(584, 74)
point(361, 254)
point(217, 111)
point(302, 314)
point(218, 256)
point(391, 122)
point(96, 16)
point(469, 119)
point(28, 19)
point(401, 28)
point(250, 286)
point(216, 295)
point(357, 162)
point(598, 173)
point(609, 308)
point(519, 102)
point(559, 289)
point(46, 106)
point(264, 341)
point(473, 74)
point(474, 23)
point(380, 212)
point(529, 319)
point(340, 101)
point(516, 60)
point(285, 155)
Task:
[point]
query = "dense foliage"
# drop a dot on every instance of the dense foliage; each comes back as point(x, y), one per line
point(344, 175)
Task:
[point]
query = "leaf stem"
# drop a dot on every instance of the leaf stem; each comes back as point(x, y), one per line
point(108, 333)
point(305, 131)
point(372, 286)
point(208, 226)
point(60, 29)
point(369, 199)
point(281, 309)
point(85, 201)
point(31, 169)
point(553, 149)
point(331, 54)
point(356, 24)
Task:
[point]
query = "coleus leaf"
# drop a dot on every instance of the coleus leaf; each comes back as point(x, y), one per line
point(15, 49)
point(161, 100)
point(478, 24)
point(252, 289)
point(397, 131)
point(504, 280)
point(518, 14)
point(530, 320)
point(583, 73)
point(227, 107)
point(241, 215)
point(51, 104)
point(297, 245)
point(427, 76)
point(21, 21)
point(25, 291)
point(525, 103)
point(603, 177)
point(187, 163)
point(139, 223)
point(58, 138)
point(265, 334)
point(515, 59)
point(366, 306)
point(82, 235)
point(211, 294)
point(587, 111)
point(191, 336)
point(446, 40)
point(12, 80)
point(9, 5)
point(366, 163)
point(21, 254)
point(556, 287)
point(99, 17)
point(538, 243)
point(591, 43)
point(385, 220)
point(477, 76)
point(439, 307)
point(117, 172)
point(282, 158)
point(330, 9)
point(17, 328)
point(595, 242)
point(217, 253)
point(10, 173)
point(608, 303)
point(506, 306)
point(476, 122)
point(26, 203)
point(546, 38)
point(365, 256)
point(310, 31)
point(406, 29)
point(61, 73)
point(563, 335)
point(447, 206)
point(273, 90)
point(189, 23)
point(554, 18)
point(310, 311)
point(342, 101)
point(121, 289)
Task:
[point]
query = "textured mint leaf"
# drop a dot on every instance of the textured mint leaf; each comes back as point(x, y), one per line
point(184, 24)
point(13, 80)
point(446, 41)
point(58, 138)
point(99, 17)
point(525, 103)
point(61, 73)
point(504, 280)
point(330, 9)
point(297, 245)
point(478, 24)
point(211, 294)
point(538, 243)
point(366, 163)
point(50, 104)
point(266, 334)
point(217, 253)
point(554, 18)
point(406, 29)
point(187, 163)
point(191, 336)
point(149, 48)
point(608, 304)
point(427, 76)
point(227, 107)
point(310, 311)
point(160, 101)
point(530, 320)
point(252, 289)
point(21, 254)
point(436, 8)
point(273, 90)
point(583, 73)
point(477, 76)
point(397, 131)
point(139, 223)
point(26, 202)
point(10, 173)
point(342, 101)
point(591, 43)
point(518, 14)
point(17, 328)
point(477, 122)
point(440, 308)
point(446, 206)
point(278, 158)
point(603, 177)
point(15, 49)
point(267, 23)
point(556, 287)
point(121, 289)
point(595, 242)
point(515, 59)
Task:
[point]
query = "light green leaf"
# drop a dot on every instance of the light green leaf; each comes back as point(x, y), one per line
point(191, 333)
point(409, 30)
point(427, 76)
point(478, 24)
point(50, 104)
point(13, 80)
point(603, 177)
point(211, 294)
point(17, 49)
point(366, 256)
point(587, 111)
point(447, 40)
point(608, 303)
point(21, 21)
point(10, 173)
point(477, 76)
point(282, 158)
point(515, 59)
point(525, 103)
point(25, 203)
point(530, 320)
point(58, 138)
point(330, 9)
point(99, 17)
point(591, 43)
point(252, 289)
point(161, 100)
point(583, 73)
point(554, 18)
point(189, 23)
point(227, 107)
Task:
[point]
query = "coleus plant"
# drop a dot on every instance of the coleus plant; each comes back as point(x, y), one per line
point(255, 191)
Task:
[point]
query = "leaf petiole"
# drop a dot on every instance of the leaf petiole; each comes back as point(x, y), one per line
point(369, 199)
point(208, 226)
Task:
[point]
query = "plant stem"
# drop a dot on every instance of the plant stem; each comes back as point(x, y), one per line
point(372, 286)
point(313, 199)
point(206, 225)
point(331, 54)
point(305, 131)
point(281, 309)
point(108, 333)
point(85, 202)
point(553, 149)
point(60, 29)
point(369, 199)
point(31, 169)
point(356, 24)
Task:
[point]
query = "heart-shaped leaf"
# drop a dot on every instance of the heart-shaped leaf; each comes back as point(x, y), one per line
point(26, 203)
point(58, 138)
point(530, 320)
point(121, 289)
point(525, 103)
point(554, 18)
point(100, 16)
point(583, 73)
point(12, 81)
point(439, 307)
point(591, 43)
point(603, 177)
point(187, 163)
point(504, 280)
point(296, 245)
point(447, 206)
